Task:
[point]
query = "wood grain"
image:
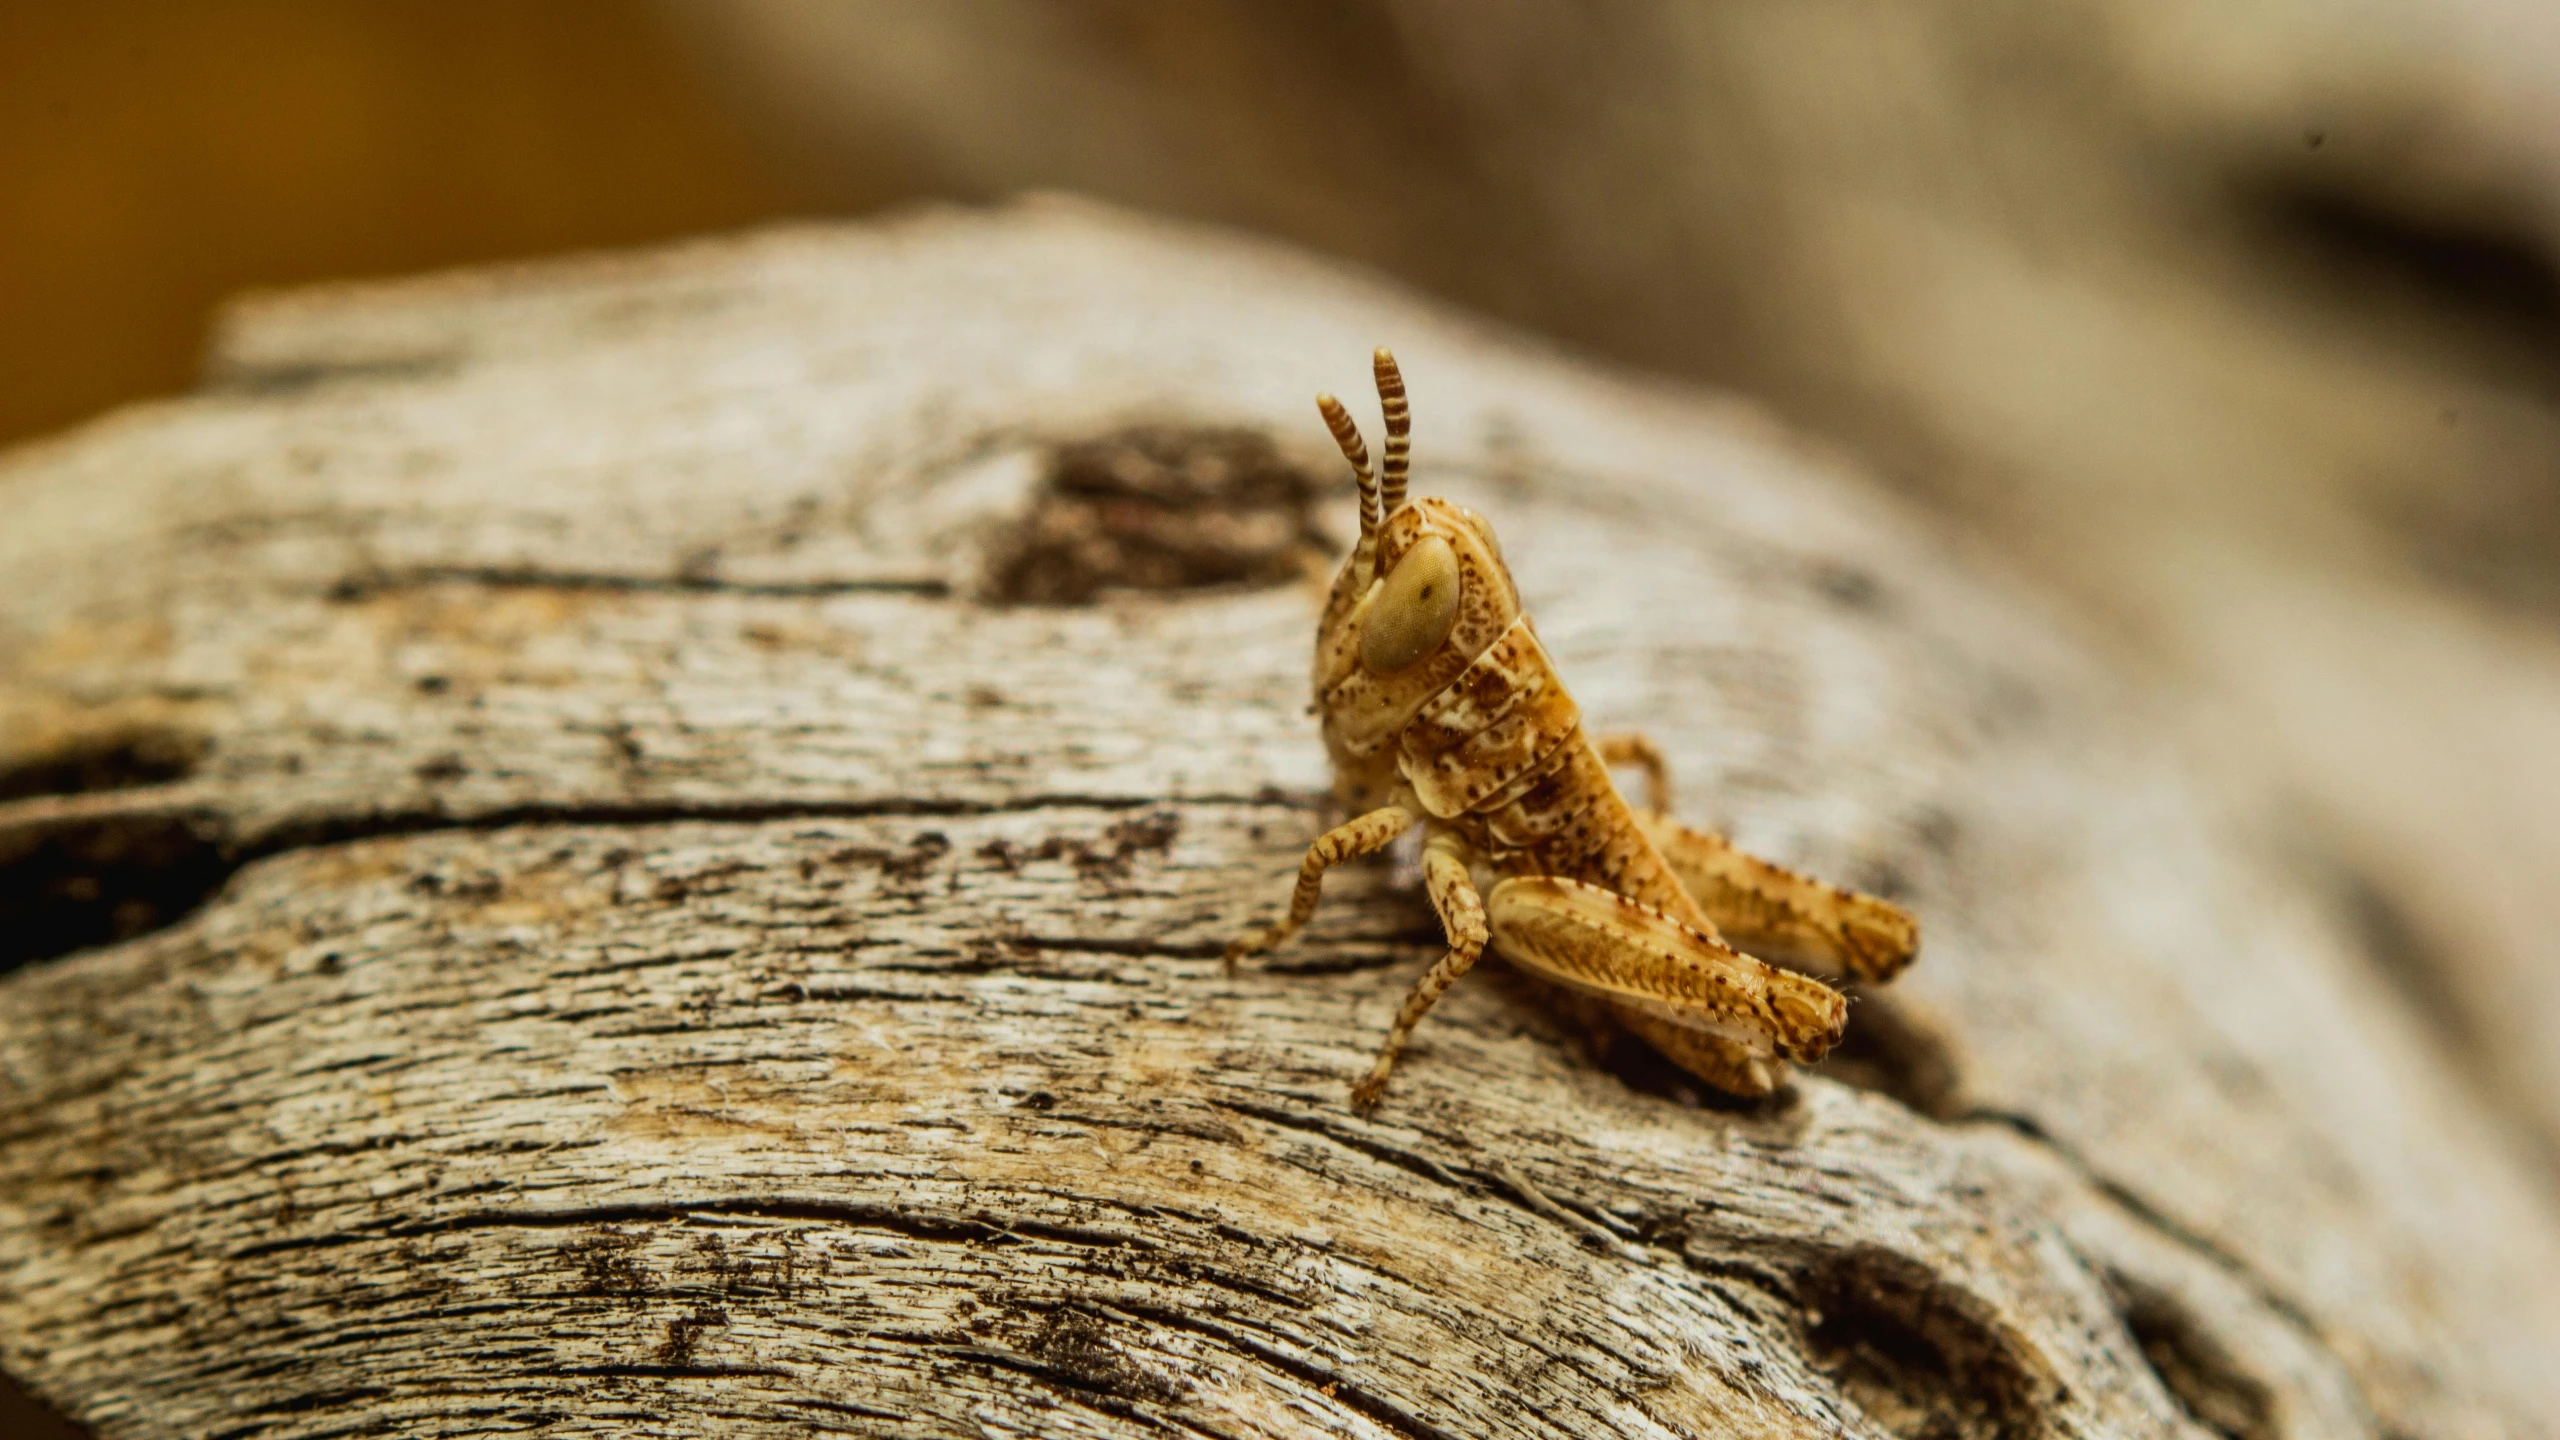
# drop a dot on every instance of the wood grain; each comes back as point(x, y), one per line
point(643, 930)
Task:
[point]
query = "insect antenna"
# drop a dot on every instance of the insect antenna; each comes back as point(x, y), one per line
point(1398, 458)
point(1356, 450)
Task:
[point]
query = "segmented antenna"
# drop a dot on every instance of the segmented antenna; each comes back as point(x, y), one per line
point(1398, 458)
point(1356, 450)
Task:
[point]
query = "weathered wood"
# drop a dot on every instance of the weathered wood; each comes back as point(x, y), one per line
point(2308, 511)
point(677, 948)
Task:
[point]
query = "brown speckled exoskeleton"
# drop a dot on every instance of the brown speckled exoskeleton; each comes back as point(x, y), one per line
point(1441, 710)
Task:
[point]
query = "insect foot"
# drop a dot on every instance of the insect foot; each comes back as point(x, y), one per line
point(1441, 709)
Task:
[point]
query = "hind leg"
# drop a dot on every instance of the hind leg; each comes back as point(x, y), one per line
point(1765, 905)
point(1734, 1068)
point(1724, 1016)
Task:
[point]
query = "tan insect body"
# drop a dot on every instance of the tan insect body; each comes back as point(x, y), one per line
point(1442, 710)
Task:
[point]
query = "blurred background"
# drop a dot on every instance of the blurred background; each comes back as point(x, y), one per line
point(2234, 322)
point(158, 155)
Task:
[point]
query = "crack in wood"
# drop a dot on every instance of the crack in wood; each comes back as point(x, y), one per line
point(115, 869)
point(2226, 1392)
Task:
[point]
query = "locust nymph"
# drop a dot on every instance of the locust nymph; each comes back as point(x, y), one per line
point(1441, 710)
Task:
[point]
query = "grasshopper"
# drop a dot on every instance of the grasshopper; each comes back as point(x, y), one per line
point(1442, 711)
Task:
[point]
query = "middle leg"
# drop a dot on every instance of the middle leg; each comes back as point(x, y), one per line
point(1453, 894)
point(1634, 747)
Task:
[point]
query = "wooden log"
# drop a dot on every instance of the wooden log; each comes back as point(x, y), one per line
point(646, 841)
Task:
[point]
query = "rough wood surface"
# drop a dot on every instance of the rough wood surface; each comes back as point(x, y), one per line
point(678, 951)
point(2225, 363)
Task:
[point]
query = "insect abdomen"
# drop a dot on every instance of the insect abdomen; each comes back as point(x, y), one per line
point(1571, 822)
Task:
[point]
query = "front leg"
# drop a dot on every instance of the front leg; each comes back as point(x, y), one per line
point(1350, 840)
point(1670, 977)
point(1453, 894)
point(1767, 906)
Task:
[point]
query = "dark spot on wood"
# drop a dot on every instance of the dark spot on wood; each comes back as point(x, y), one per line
point(1937, 829)
point(1924, 1359)
point(2499, 278)
point(699, 567)
point(626, 745)
point(2405, 958)
point(2485, 278)
point(1159, 508)
point(1106, 861)
point(1848, 586)
point(684, 1336)
point(70, 884)
point(118, 759)
point(1080, 1346)
point(608, 1268)
point(2194, 1364)
point(1152, 832)
point(431, 684)
point(1885, 880)
point(922, 852)
point(24, 1417)
point(904, 870)
point(442, 769)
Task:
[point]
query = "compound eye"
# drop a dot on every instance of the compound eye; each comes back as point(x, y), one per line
point(1414, 609)
point(1484, 531)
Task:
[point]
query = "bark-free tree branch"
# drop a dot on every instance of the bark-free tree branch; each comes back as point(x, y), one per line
point(623, 919)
